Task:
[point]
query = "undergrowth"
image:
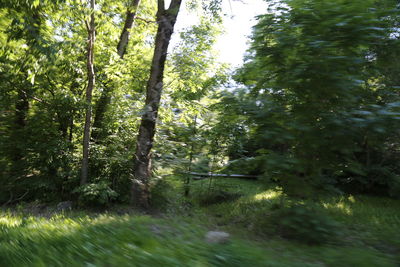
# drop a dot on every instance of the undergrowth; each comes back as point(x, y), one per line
point(267, 229)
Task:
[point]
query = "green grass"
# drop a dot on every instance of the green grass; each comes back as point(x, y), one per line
point(108, 240)
point(369, 234)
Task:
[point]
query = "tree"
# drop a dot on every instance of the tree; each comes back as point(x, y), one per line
point(105, 98)
point(32, 151)
point(312, 99)
point(166, 19)
point(89, 91)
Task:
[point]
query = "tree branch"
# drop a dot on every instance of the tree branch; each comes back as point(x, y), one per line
point(174, 4)
point(146, 20)
point(87, 25)
point(161, 5)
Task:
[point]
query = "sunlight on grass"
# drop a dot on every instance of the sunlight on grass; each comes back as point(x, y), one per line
point(269, 194)
point(345, 205)
point(109, 240)
point(9, 221)
point(341, 206)
point(370, 235)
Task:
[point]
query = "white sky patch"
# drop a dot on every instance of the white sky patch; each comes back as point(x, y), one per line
point(241, 18)
point(234, 42)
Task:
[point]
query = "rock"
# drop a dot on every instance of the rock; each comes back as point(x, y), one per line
point(64, 205)
point(216, 237)
point(35, 207)
point(155, 229)
point(41, 207)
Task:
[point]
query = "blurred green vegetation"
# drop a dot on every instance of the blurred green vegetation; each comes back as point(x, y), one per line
point(314, 112)
point(367, 236)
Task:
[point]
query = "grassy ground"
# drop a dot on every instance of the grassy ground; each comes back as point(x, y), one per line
point(369, 233)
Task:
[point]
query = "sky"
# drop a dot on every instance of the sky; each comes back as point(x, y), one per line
point(232, 44)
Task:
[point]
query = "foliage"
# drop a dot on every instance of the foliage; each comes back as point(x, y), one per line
point(43, 74)
point(314, 105)
point(217, 196)
point(305, 224)
point(95, 194)
point(162, 194)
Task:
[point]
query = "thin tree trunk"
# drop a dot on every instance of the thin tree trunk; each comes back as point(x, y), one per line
point(166, 19)
point(105, 98)
point(187, 181)
point(71, 128)
point(89, 91)
point(21, 111)
point(63, 124)
point(98, 132)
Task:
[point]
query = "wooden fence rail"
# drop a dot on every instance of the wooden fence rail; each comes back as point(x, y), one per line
point(200, 175)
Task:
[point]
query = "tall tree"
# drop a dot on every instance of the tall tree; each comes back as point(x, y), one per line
point(89, 90)
point(30, 32)
point(314, 99)
point(166, 19)
point(105, 98)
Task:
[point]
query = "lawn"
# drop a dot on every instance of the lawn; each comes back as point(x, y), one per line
point(369, 232)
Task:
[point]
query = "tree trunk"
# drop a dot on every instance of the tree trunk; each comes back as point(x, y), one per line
point(71, 128)
point(89, 91)
point(100, 112)
point(21, 112)
point(21, 109)
point(105, 98)
point(166, 19)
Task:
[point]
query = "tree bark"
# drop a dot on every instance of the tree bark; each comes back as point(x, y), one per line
point(166, 19)
point(89, 91)
point(105, 98)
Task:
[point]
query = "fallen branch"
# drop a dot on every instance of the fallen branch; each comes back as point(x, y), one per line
point(11, 200)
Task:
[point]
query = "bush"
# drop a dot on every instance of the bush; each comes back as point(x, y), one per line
point(95, 194)
point(394, 184)
point(251, 165)
point(305, 224)
point(217, 196)
point(161, 194)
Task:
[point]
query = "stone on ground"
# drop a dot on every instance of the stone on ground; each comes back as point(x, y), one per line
point(216, 237)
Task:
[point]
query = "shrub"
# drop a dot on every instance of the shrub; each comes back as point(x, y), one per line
point(251, 165)
point(217, 196)
point(161, 194)
point(395, 186)
point(95, 194)
point(305, 224)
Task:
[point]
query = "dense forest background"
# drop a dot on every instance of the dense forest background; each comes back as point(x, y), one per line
point(85, 86)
